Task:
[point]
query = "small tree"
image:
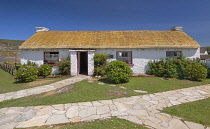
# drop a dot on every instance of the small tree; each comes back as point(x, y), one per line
point(64, 66)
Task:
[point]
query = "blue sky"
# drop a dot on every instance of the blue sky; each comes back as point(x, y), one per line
point(19, 17)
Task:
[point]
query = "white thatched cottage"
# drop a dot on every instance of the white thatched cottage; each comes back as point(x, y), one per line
point(135, 47)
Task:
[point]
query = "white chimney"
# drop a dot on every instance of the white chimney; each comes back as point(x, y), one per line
point(39, 29)
point(176, 28)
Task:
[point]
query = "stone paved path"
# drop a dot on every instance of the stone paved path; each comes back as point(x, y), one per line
point(41, 89)
point(144, 109)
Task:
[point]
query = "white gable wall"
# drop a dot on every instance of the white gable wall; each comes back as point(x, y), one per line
point(140, 57)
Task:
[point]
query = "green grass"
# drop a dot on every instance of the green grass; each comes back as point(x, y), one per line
point(85, 91)
point(8, 84)
point(113, 123)
point(198, 112)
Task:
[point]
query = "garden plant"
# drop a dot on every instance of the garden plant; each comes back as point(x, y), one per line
point(100, 62)
point(118, 72)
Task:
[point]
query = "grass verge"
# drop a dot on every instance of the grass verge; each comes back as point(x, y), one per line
point(84, 91)
point(8, 83)
point(113, 123)
point(198, 112)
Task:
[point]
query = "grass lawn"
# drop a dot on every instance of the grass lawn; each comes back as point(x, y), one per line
point(198, 111)
point(8, 84)
point(85, 91)
point(113, 123)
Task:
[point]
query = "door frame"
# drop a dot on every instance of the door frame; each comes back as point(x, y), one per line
point(78, 62)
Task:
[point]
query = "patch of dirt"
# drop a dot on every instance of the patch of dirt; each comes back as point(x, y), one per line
point(118, 93)
point(35, 83)
point(189, 81)
point(58, 91)
point(64, 89)
point(47, 94)
point(165, 78)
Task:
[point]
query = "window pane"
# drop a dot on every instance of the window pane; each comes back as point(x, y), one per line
point(126, 57)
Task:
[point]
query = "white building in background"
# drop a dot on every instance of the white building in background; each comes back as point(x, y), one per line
point(136, 47)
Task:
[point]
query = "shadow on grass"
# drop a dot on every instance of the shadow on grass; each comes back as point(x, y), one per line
point(105, 80)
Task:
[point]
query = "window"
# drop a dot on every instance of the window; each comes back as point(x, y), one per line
point(173, 54)
point(125, 56)
point(51, 57)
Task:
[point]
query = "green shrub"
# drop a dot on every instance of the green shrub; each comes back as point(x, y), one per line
point(44, 70)
point(118, 72)
point(163, 68)
point(208, 72)
point(170, 67)
point(31, 63)
point(196, 71)
point(27, 73)
point(64, 66)
point(99, 70)
point(100, 62)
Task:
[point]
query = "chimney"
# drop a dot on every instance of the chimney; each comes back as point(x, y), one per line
point(176, 28)
point(39, 29)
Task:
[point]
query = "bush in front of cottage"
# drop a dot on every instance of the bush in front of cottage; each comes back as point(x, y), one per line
point(195, 72)
point(44, 70)
point(118, 72)
point(27, 73)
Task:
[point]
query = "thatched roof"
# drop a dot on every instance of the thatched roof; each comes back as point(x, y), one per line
point(109, 39)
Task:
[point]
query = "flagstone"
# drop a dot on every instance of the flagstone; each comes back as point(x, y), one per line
point(26, 115)
point(8, 126)
point(103, 110)
point(57, 119)
point(73, 111)
point(146, 97)
point(58, 107)
point(75, 119)
point(87, 111)
point(35, 121)
point(96, 103)
point(47, 110)
point(122, 106)
point(90, 118)
point(7, 118)
point(192, 125)
point(14, 110)
point(177, 124)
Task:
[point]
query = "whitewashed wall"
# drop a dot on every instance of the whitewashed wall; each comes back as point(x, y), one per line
point(37, 55)
point(90, 62)
point(140, 57)
point(73, 58)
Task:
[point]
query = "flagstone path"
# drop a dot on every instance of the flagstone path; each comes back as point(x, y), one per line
point(41, 89)
point(144, 109)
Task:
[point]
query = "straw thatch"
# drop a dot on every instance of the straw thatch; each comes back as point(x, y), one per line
point(109, 39)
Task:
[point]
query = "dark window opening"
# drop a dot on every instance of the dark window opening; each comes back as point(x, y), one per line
point(173, 54)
